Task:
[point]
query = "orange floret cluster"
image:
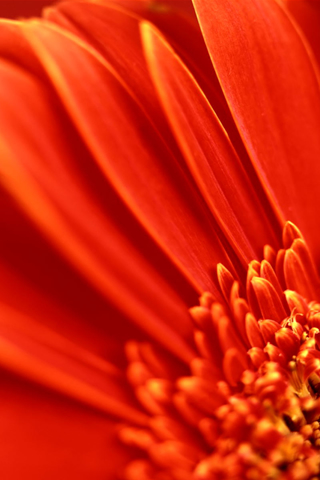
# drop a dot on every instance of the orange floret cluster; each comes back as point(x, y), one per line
point(248, 408)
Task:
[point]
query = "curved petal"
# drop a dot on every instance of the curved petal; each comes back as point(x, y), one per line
point(155, 188)
point(46, 436)
point(52, 193)
point(107, 27)
point(273, 93)
point(63, 281)
point(208, 151)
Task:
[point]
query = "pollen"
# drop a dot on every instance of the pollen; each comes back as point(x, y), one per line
point(248, 406)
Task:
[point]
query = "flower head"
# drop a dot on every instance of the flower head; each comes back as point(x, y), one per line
point(151, 153)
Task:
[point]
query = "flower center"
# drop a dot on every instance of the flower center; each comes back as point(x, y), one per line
point(249, 406)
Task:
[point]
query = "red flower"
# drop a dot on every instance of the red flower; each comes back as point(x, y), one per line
point(131, 168)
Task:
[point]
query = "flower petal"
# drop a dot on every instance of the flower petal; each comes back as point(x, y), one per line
point(273, 93)
point(89, 331)
point(156, 189)
point(58, 202)
point(106, 27)
point(24, 357)
point(208, 151)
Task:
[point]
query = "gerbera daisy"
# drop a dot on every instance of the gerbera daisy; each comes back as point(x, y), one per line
point(155, 153)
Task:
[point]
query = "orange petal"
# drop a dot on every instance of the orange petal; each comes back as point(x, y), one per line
point(273, 92)
point(253, 332)
point(269, 302)
point(275, 355)
point(290, 234)
point(296, 302)
point(299, 272)
point(257, 356)
point(288, 342)
point(268, 329)
point(269, 274)
point(15, 48)
point(88, 237)
point(234, 364)
point(155, 188)
point(208, 151)
point(107, 28)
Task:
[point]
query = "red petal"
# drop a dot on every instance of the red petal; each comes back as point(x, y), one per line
point(141, 168)
point(268, 329)
point(273, 92)
point(88, 237)
point(296, 302)
point(288, 342)
point(257, 356)
point(19, 361)
point(107, 28)
point(253, 332)
point(234, 364)
point(269, 274)
point(275, 355)
point(62, 303)
point(34, 351)
point(208, 151)
point(290, 234)
point(240, 309)
point(228, 336)
point(268, 299)
point(226, 280)
point(299, 272)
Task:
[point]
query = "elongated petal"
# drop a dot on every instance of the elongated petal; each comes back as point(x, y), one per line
point(155, 189)
point(273, 93)
point(87, 237)
point(269, 302)
point(61, 364)
point(208, 151)
point(106, 27)
point(15, 48)
point(16, 360)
